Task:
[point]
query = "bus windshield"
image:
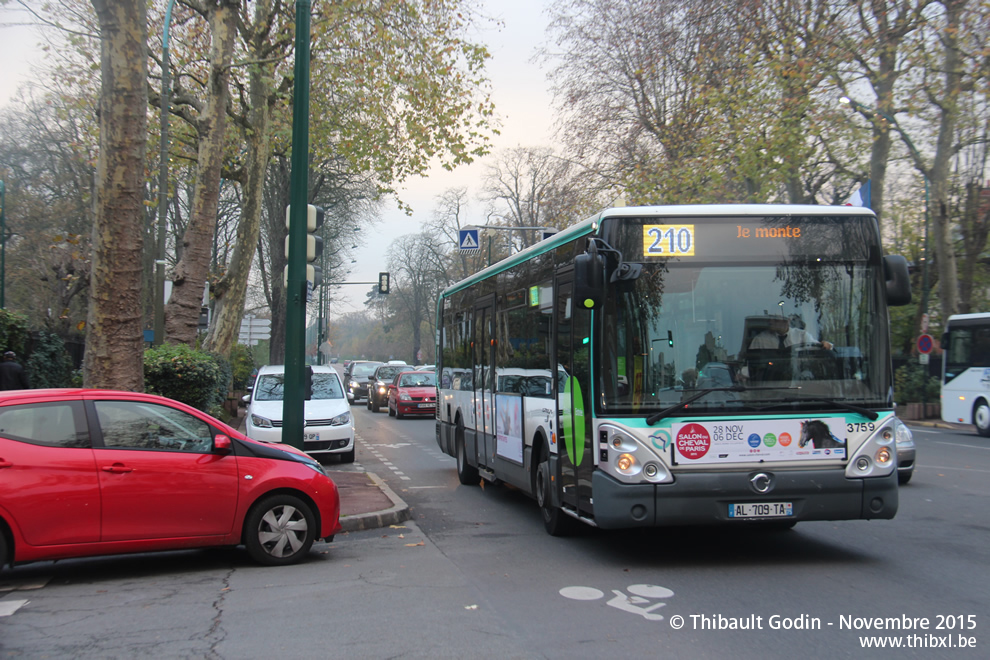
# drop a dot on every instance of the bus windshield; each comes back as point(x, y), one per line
point(765, 314)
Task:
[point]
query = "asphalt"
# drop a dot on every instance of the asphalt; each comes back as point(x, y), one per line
point(366, 502)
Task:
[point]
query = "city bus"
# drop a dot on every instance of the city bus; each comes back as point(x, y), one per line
point(966, 371)
point(618, 371)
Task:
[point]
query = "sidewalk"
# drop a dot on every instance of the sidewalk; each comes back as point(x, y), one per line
point(366, 502)
point(939, 424)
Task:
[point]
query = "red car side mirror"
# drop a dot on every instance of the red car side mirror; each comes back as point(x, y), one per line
point(222, 444)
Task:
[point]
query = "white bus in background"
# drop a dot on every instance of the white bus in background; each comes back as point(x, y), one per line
point(966, 371)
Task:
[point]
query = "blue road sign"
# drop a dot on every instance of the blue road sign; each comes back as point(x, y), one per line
point(925, 344)
point(468, 240)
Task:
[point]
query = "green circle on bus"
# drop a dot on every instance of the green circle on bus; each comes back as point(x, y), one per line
point(589, 303)
point(769, 439)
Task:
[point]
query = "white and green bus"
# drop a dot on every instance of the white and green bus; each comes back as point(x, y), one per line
point(966, 371)
point(680, 365)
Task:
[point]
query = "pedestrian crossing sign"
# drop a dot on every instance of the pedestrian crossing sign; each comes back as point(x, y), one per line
point(468, 240)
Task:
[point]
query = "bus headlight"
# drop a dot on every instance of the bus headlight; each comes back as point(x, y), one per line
point(876, 456)
point(628, 458)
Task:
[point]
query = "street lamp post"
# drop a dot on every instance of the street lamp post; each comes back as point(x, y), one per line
point(865, 109)
point(162, 186)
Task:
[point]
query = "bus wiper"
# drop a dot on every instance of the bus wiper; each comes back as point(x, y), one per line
point(839, 403)
point(656, 417)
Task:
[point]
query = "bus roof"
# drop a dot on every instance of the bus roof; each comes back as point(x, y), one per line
point(969, 317)
point(734, 209)
point(590, 225)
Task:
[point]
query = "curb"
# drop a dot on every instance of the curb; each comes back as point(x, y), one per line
point(940, 425)
point(399, 512)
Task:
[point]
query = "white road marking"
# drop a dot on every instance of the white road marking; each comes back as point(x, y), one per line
point(637, 603)
point(956, 444)
point(942, 467)
point(581, 593)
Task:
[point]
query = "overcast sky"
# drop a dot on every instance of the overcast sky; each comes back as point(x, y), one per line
point(519, 90)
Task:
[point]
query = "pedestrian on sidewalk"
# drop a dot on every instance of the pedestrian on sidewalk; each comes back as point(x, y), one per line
point(12, 374)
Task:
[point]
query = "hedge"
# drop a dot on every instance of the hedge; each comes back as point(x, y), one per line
point(194, 377)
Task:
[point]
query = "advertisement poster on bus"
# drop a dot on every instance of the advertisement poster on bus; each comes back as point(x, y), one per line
point(508, 427)
point(742, 441)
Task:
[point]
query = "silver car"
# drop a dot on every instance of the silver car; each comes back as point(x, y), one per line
point(905, 453)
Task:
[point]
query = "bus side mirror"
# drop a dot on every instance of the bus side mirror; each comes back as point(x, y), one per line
point(945, 341)
point(589, 278)
point(895, 270)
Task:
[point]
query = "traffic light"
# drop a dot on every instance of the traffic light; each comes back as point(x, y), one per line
point(308, 383)
point(314, 244)
point(383, 283)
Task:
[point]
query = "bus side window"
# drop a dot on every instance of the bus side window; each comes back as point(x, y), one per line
point(981, 348)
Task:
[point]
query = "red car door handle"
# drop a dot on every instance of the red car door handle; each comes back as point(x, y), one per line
point(4, 463)
point(117, 469)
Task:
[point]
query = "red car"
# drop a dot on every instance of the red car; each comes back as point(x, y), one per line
point(101, 472)
point(413, 393)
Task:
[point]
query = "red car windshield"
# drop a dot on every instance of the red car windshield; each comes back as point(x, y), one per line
point(424, 379)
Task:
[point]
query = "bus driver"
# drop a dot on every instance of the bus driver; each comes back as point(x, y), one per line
point(781, 335)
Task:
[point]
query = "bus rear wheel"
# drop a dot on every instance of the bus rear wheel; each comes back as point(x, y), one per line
point(981, 418)
point(555, 521)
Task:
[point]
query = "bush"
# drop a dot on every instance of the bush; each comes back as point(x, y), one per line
point(49, 364)
point(912, 385)
point(242, 364)
point(13, 332)
point(185, 374)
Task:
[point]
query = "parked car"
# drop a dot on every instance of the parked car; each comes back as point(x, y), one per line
point(905, 452)
point(102, 472)
point(413, 393)
point(329, 425)
point(378, 393)
point(357, 378)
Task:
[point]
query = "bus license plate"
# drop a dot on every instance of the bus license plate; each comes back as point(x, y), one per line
point(761, 510)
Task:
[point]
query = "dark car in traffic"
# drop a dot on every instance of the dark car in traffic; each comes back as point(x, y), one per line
point(358, 378)
point(378, 393)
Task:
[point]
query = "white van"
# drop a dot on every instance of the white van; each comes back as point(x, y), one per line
point(329, 425)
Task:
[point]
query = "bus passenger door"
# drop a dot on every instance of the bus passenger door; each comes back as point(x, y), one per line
point(484, 398)
point(572, 337)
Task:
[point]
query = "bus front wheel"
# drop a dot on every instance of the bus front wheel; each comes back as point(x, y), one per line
point(981, 418)
point(466, 474)
point(556, 522)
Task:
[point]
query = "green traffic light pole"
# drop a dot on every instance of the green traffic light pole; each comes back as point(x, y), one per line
point(3, 244)
point(293, 405)
point(159, 320)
